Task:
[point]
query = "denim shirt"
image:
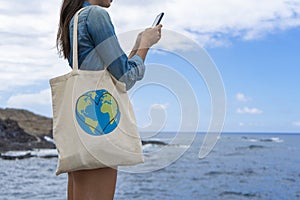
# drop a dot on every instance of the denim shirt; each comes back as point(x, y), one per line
point(98, 47)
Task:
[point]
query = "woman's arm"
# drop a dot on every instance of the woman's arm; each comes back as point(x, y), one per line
point(136, 45)
point(126, 69)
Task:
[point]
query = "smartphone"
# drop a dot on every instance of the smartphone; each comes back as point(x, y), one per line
point(158, 19)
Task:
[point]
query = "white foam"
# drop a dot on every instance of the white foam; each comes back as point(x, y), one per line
point(33, 153)
point(276, 139)
point(49, 139)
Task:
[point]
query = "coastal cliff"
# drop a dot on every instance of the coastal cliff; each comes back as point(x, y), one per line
point(24, 130)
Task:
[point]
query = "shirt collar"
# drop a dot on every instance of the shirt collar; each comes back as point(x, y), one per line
point(86, 3)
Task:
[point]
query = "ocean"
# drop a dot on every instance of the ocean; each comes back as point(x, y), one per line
point(241, 166)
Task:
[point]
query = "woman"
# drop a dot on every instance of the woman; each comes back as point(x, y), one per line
point(99, 47)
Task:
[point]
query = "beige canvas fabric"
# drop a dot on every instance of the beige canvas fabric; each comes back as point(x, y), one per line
point(75, 129)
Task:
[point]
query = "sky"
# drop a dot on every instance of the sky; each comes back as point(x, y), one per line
point(253, 46)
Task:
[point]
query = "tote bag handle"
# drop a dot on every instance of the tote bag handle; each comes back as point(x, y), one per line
point(75, 40)
point(119, 84)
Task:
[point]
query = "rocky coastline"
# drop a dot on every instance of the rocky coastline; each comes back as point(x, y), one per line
point(21, 130)
point(24, 134)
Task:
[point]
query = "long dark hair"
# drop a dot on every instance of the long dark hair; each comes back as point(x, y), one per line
point(68, 9)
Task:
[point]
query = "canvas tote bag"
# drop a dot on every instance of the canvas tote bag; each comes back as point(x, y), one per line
point(93, 121)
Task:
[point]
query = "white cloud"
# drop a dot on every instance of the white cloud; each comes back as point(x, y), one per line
point(160, 106)
point(39, 102)
point(15, 74)
point(28, 30)
point(209, 21)
point(27, 54)
point(241, 97)
point(28, 100)
point(157, 119)
point(246, 110)
point(297, 123)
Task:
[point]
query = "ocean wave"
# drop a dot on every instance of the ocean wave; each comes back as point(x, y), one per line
point(245, 172)
point(40, 153)
point(49, 139)
point(184, 146)
point(272, 139)
point(153, 147)
point(158, 143)
point(251, 147)
point(234, 193)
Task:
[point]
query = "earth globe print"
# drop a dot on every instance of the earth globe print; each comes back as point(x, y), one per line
point(97, 112)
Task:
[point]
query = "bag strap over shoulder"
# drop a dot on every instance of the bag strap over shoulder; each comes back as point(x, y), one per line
point(75, 40)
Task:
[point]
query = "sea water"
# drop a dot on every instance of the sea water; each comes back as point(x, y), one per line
point(241, 166)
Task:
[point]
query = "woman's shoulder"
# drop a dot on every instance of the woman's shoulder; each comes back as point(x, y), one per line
point(95, 11)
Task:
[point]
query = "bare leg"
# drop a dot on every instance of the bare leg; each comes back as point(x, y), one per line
point(96, 184)
point(70, 186)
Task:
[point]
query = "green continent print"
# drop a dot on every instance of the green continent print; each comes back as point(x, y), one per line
point(97, 112)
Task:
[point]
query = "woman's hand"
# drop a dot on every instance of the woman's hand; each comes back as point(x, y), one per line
point(149, 37)
point(145, 40)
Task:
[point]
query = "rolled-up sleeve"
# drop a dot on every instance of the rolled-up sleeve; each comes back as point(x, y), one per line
point(101, 31)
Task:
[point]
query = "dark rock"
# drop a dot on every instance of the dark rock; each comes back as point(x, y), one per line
point(233, 193)
point(17, 155)
point(23, 130)
point(155, 142)
point(31, 123)
point(256, 147)
point(10, 130)
point(11, 157)
point(49, 156)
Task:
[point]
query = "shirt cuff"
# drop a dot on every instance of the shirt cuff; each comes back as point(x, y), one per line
point(140, 66)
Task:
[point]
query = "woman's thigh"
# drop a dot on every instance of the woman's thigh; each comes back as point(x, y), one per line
point(96, 184)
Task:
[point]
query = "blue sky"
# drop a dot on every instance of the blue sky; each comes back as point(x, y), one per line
point(255, 46)
point(266, 70)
